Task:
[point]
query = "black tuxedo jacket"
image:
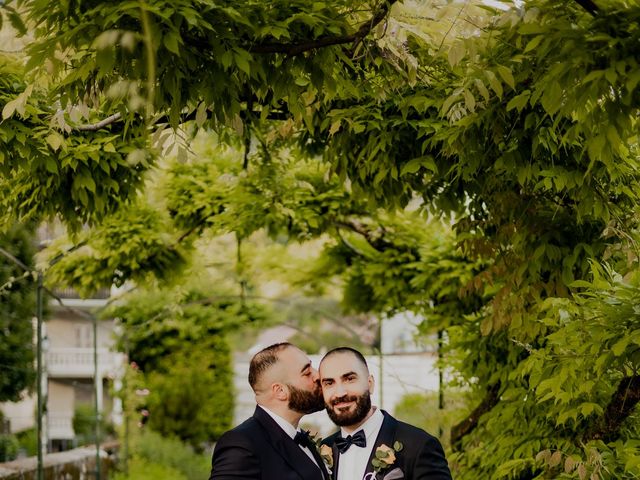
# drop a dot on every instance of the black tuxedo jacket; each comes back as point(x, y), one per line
point(258, 449)
point(421, 458)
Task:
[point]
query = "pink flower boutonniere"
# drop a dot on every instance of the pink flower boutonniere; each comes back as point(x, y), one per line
point(385, 457)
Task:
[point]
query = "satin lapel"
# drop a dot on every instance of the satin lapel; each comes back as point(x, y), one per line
point(323, 467)
point(336, 461)
point(287, 448)
point(386, 435)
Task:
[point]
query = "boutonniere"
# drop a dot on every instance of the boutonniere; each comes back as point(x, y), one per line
point(324, 450)
point(385, 457)
point(326, 453)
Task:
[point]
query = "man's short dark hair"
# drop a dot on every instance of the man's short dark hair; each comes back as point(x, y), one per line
point(350, 350)
point(264, 359)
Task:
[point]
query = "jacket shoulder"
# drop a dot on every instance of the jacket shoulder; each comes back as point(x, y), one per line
point(246, 432)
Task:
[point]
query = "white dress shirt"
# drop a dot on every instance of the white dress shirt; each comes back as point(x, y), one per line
point(289, 430)
point(353, 462)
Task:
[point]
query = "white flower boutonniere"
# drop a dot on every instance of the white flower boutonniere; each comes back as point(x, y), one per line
point(384, 458)
point(326, 453)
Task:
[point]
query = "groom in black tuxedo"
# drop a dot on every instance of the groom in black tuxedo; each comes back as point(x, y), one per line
point(406, 452)
point(269, 445)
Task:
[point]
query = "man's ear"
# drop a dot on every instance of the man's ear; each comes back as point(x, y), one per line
point(280, 391)
point(372, 383)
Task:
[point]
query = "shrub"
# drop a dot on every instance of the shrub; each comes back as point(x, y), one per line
point(8, 447)
point(171, 452)
point(28, 440)
point(84, 425)
point(141, 469)
point(192, 398)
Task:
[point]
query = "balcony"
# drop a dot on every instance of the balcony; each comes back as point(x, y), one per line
point(71, 298)
point(78, 362)
point(69, 293)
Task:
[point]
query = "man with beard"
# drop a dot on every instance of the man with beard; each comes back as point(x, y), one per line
point(371, 444)
point(269, 445)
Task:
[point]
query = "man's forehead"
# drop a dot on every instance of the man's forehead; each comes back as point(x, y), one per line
point(341, 363)
point(295, 358)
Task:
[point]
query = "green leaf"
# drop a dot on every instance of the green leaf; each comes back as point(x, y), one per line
point(620, 346)
point(519, 101)
point(55, 140)
point(10, 108)
point(507, 76)
point(172, 41)
point(16, 21)
point(482, 89)
point(469, 100)
point(412, 166)
point(51, 165)
point(242, 59)
point(533, 43)
point(494, 83)
point(201, 114)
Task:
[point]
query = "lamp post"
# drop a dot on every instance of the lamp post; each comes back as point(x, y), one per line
point(98, 391)
point(40, 431)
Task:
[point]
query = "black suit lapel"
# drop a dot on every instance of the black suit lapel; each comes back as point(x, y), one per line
point(320, 461)
point(335, 454)
point(386, 435)
point(336, 461)
point(287, 448)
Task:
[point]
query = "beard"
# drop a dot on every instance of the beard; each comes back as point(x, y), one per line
point(304, 401)
point(346, 419)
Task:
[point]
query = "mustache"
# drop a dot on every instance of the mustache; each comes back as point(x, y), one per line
point(344, 398)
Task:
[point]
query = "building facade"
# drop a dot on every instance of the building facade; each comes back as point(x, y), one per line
point(75, 373)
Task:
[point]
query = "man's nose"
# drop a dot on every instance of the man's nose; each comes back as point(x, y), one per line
point(315, 375)
point(340, 390)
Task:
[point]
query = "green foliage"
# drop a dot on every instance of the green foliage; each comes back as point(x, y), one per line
point(84, 420)
point(421, 410)
point(28, 440)
point(178, 340)
point(130, 245)
point(520, 124)
point(17, 307)
point(141, 469)
point(402, 262)
point(8, 447)
point(47, 168)
point(166, 456)
point(158, 50)
point(278, 192)
point(192, 396)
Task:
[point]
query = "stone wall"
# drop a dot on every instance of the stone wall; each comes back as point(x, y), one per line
point(76, 464)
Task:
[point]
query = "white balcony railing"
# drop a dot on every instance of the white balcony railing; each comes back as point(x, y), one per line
point(79, 362)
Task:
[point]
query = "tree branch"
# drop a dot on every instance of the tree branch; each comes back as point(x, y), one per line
point(101, 124)
point(622, 403)
point(373, 237)
point(466, 426)
point(293, 49)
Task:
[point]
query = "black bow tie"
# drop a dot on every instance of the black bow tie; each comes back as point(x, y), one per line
point(303, 439)
point(358, 439)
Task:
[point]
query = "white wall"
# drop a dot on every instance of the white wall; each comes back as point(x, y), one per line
point(21, 415)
